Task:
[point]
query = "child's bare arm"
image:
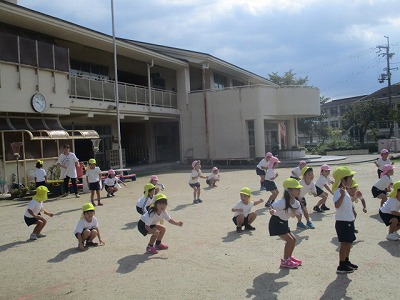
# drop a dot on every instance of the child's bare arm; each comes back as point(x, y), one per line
point(258, 202)
point(237, 209)
point(99, 236)
point(47, 213)
point(328, 189)
point(81, 246)
point(179, 223)
point(363, 204)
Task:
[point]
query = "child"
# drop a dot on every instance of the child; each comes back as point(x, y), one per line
point(148, 223)
point(261, 169)
point(93, 175)
point(87, 228)
point(32, 212)
point(242, 209)
point(322, 183)
point(281, 211)
point(383, 160)
point(40, 174)
point(344, 217)
point(355, 194)
point(382, 186)
point(308, 185)
point(111, 183)
point(143, 204)
point(213, 177)
point(296, 172)
point(269, 183)
point(390, 213)
point(158, 185)
point(194, 181)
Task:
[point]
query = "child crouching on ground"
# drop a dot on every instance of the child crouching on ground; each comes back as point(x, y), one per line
point(111, 183)
point(355, 194)
point(296, 172)
point(269, 183)
point(390, 213)
point(148, 223)
point(243, 215)
point(308, 185)
point(87, 228)
point(143, 204)
point(281, 211)
point(158, 185)
point(321, 185)
point(382, 186)
point(32, 212)
point(213, 177)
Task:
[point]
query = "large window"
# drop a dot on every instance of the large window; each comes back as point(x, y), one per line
point(334, 111)
point(89, 70)
point(220, 81)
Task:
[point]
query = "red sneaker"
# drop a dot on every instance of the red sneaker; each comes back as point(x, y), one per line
point(294, 259)
point(287, 263)
point(161, 247)
point(151, 250)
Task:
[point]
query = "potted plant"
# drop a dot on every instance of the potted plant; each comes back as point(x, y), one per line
point(16, 192)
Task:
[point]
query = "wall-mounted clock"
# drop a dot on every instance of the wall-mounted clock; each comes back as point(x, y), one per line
point(38, 102)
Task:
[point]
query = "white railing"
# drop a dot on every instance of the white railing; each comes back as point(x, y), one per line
point(103, 90)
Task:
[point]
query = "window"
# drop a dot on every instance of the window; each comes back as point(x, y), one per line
point(335, 124)
point(81, 68)
point(334, 111)
point(343, 110)
point(237, 83)
point(220, 81)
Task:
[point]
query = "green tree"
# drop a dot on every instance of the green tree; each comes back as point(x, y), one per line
point(364, 115)
point(288, 78)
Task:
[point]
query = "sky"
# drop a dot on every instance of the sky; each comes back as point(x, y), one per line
point(332, 42)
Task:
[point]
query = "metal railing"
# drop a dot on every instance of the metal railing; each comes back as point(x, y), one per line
point(103, 90)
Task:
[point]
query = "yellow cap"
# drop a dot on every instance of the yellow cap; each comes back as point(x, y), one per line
point(41, 193)
point(291, 183)
point(159, 196)
point(92, 161)
point(148, 187)
point(396, 186)
point(40, 162)
point(339, 174)
point(354, 184)
point(246, 191)
point(87, 207)
point(304, 170)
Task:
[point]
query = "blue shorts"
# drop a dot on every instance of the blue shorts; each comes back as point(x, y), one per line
point(94, 186)
point(345, 231)
point(192, 185)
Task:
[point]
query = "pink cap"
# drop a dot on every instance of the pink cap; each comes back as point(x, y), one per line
point(268, 154)
point(111, 172)
point(273, 160)
point(302, 162)
point(215, 169)
point(386, 169)
point(325, 167)
point(194, 163)
point(153, 177)
point(383, 151)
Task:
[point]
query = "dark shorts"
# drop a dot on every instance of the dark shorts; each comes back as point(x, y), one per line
point(40, 183)
point(270, 185)
point(277, 226)
point(387, 217)
point(208, 181)
point(345, 231)
point(76, 234)
point(319, 191)
point(245, 221)
point(379, 173)
point(303, 202)
point(260, 172)
point(139, 210)
point(108, 186)
point(30, 221)
point(192, 185)
point(142, 227)
point(298, 179)
point(94, 186)
point(376, 192)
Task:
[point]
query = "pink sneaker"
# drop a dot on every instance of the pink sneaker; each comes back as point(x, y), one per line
point(151, 250)
point(161, 247)
point(287, 263)
point(295, 260)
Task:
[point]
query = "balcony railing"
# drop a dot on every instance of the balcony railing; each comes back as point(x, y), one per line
point(103, 90)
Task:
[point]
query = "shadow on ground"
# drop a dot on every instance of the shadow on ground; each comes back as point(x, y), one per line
point(129, 263)
point(336, 242)
point(337, 289)
point(267, 286)
point(233, 236)
point(393, 247)
point(181, 206)
point(13, 244)
point(131, 225)
point(64, 255)
point(67, 211)
point(376, 217)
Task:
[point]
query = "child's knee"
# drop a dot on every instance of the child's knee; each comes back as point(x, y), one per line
point(394, 221)
point(93, 232)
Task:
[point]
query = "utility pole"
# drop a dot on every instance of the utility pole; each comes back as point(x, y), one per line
point(387, 76)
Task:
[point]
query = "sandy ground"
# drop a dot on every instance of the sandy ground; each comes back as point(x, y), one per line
point(207, 259)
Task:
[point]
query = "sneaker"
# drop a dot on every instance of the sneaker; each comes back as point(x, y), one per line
point(199, 200)
point(77, 196)
point(288, 263)
point(65, 195)
point(91, 244)
point(40, 235)
point(262, 188)
point(239, 229)
point(355, 230)
point(295, 260)
point(112, 195)
point(324, 207)
point(317, 209)
point(301, 225)
point(353, 266)
point(33, 237)
point(108, 195)
point(249, 227)
point(100, 204)
point(161, 247)
point(344, 269)
point(397, 234)
point(196, 201)
point(392, 237)
point(310, 225)
point(151, 250)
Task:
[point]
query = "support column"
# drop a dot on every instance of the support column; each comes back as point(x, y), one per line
point(291, 133)
point(259, 135)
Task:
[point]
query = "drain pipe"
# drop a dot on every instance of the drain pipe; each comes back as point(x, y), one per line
point(205, 66)
point(149, 65)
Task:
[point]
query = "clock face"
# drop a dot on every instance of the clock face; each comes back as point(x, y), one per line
point(38, 102)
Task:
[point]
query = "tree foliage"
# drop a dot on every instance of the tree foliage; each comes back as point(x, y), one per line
point(288, 78)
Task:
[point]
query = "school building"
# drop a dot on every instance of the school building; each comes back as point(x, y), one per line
point(57, 86)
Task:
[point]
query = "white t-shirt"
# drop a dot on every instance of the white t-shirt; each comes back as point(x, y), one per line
point(40, 175)
point(284, 215)
point(321, 181)
point(270, 174)
point(345, 211)
point(307, 188)
point(112, 181)
point(154, 218)
point(93, 174)
point(392, 204)
point(35, 206)
point(383, 183)
point(382, 162)
point(68, 161)
point(194, 174)
point(213, 176)
point(143, 202)
point(246, 208)
point(262, 165)
point(296, 172)
point(83, 224)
